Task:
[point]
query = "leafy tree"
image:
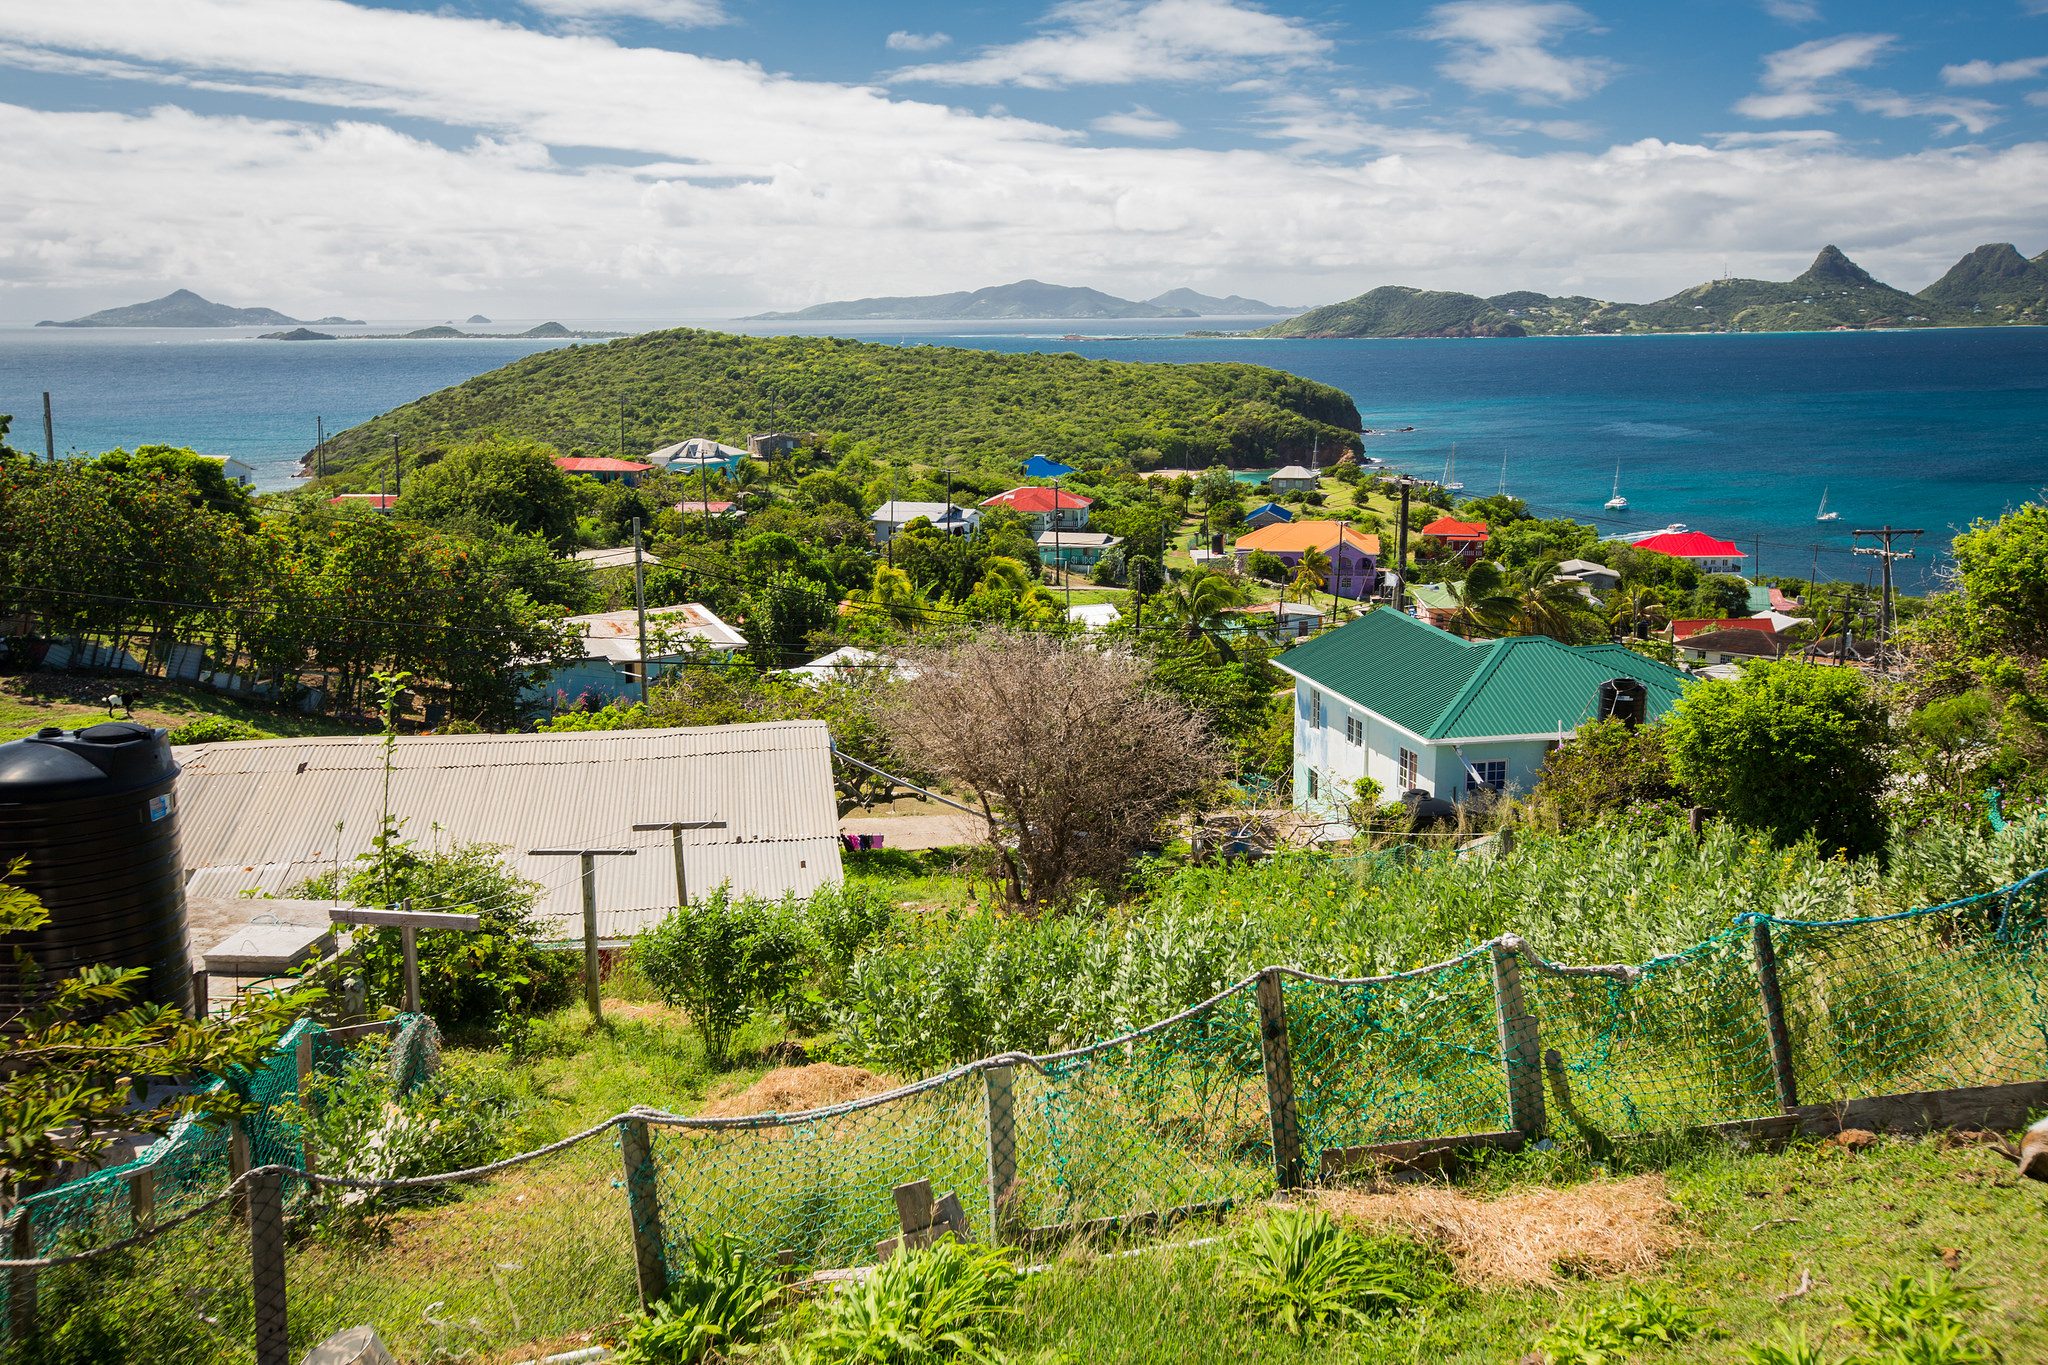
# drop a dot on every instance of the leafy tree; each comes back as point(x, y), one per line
point(1265, 566)
point(495, 481)
point(723, 960)
point(1607, 769)
point(1796, 749)
point(68, 1063)
point(1216, 486)
point(1074, 757)
point(1722, 596)
point(2002, 570)
point(1200, 606)
point(1519, 542)
point(827, 489)
point(206, 479)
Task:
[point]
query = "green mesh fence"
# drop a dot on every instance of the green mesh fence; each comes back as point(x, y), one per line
point(540, 1253)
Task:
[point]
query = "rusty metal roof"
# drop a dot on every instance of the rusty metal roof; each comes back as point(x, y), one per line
point(267, 814)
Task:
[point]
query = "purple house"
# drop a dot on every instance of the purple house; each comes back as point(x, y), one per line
point(1354, 564)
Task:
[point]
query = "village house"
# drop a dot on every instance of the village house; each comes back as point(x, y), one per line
point(1293, 479)
point(1710, 554)
point(894, 515)
point(770, 445)
point(620, 557)
point(610, 666)
point(376, 502)
point(604, 469)
point(1266, 514)
point(1729, 645)
point(845, 663)
point(233, 470)
point(697, 454)
point(1415, 708)
point(1465, 539)
point(1354, 566)
point(1047, 507)
point(1435, 603)
point(1592, 578)
point(1073, 549)
point(1280, 623)
point(709, 507)
point(1045, 467)
point(1092, 616)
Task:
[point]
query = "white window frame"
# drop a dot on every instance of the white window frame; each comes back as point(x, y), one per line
point(1315, 709)
point(1354, 730)
point(1481, 775)
point(1410, 767)
point(1312, 793)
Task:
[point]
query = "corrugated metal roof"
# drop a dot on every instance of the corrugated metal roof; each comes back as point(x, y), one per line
point(264, 814)
point(1435, 685)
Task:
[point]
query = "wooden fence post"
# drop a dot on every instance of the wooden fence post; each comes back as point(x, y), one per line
point(1521, 1044)
point(238, 1159)
point(998, 1083)
point(266, 1265)
point(142, 1197)
point(1774, 1015)
point(409, 948)
point(21, 1282)
point(1279, 1059)
point(643, 1201)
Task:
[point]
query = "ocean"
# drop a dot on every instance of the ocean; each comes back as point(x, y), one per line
point(1737, 435)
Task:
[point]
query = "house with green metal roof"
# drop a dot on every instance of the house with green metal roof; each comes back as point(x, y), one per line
point(1412, 707)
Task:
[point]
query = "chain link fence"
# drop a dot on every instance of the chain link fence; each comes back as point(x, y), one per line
point(1283, 1078)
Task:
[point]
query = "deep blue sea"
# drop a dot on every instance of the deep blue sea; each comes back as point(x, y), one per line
point(1739, 435)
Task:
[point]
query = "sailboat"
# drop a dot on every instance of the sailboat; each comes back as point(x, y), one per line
point(1824, 514)
point(1450, 468)
point(1503, 489)
point(1617, 503)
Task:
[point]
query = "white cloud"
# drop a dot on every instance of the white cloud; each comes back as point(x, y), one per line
point(682, 13)
point(1503, 47)
point(1802, 81)
point(1991, 73)
point(1792, 11)
point(1137, 121)
point(760, 190)
point(1118, 42)
point(903, 40)
point(1779, 137)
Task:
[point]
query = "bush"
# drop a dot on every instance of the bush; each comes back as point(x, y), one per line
point(722, 960)
point(721, 1298)
point(934, 1304)
point(1796, 749)
point(1302, 1273)
point(361, 1128)
point(493, 980)
point(1610, 1332)
point(215, 730)
point(1607, 769)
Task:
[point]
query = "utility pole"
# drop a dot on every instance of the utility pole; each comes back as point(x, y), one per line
point(1336, 558)
point(622, 426)
point(640, 606)
point(49, 430)
point(1404, 482)
point(588, 857)
point(1756, 560)
point(1057, 566)
point(397, 470)
point(675, 830)
point(1885, 554)
point(320, 447)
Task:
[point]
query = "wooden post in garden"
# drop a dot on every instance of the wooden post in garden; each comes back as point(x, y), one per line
point(675, 830)
point(589, 857)
point(1774, 1015)
point(1279, 1059)
point(643, 1201)
point(142, 1197)
point(266, 1265)
point(1521, 1045)
point(21, 1282)
point(238, 1158)
point(408, 922)
point(998, 1084)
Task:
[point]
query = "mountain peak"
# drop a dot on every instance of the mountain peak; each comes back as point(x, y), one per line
point(1994, 276)
point(1832, 267)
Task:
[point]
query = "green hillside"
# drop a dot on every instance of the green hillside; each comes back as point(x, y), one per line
point(919, 402)
point(1395, 311)
point(1994, 283)
point(1834, 292)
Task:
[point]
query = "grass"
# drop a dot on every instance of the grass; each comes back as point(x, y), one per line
point(71, 701)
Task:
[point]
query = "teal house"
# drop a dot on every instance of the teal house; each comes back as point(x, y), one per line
point(1415, 708)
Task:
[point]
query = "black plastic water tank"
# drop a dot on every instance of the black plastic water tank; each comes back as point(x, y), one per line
point(94, 813)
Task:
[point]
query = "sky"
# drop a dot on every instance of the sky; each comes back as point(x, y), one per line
point(674, 159)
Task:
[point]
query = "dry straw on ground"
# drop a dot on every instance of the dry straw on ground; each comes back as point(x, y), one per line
point(1531, 1237)
point(793, 1089)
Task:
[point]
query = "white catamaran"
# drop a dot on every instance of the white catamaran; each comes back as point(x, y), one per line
point(1824, 514)
point(1617, 503)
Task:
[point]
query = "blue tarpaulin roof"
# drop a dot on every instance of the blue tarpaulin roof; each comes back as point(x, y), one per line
point(1040, 467)
point(1273, 507)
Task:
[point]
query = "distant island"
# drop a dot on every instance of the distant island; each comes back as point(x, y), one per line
point(546, 331)
point(477, 320)
point(1993, 285)
point(183, 308)
point(1024, 299)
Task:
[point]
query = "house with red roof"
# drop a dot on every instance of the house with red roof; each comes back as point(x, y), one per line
point(376, 502)
point(603, 468)
point(1047, 507)
point(1464, 538)
point(1687, 627)
point(1710, 554)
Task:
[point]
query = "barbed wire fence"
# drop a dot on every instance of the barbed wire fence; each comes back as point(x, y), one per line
point(1283, 1079)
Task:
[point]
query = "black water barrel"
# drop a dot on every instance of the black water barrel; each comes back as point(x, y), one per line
point(94, 814)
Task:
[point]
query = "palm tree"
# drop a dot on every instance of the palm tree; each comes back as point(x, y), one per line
point(1310, 574)
point(1199, 604)
point(1483, 604)
point(1636, 610)
point(1544, 606)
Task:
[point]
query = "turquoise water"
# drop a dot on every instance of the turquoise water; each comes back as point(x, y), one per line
point(1736, 435)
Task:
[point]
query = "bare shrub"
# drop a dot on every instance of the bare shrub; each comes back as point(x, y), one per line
point(1075, 759)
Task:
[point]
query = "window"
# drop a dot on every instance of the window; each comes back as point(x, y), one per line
point(1410, 767)
point(1354, 729)
point(1490, 773)
point(1315, 709)
point(1311, 784)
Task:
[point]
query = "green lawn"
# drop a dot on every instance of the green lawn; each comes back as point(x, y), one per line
point(31, 701)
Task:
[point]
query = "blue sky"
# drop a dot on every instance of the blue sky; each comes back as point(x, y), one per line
point(653, 158)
